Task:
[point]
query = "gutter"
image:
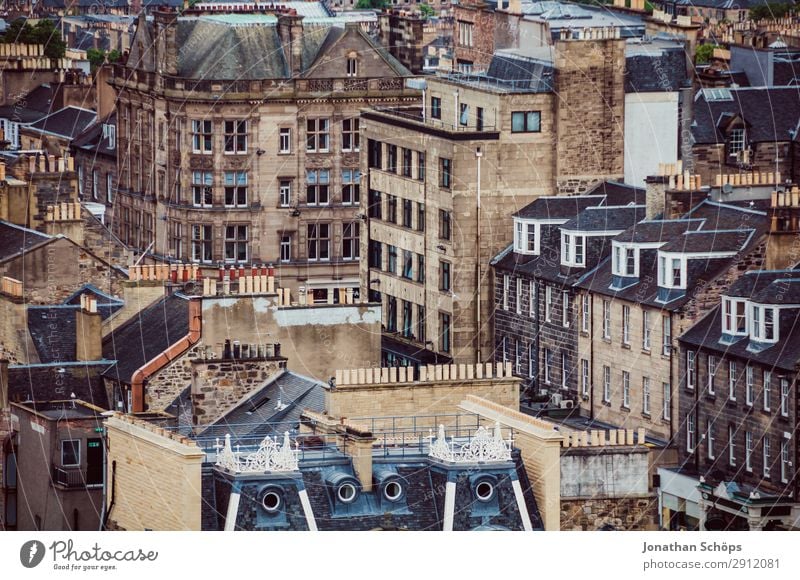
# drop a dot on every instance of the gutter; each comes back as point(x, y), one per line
point(170, 354)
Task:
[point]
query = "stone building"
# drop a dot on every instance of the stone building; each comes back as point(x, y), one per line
point(443, 181)
point(228, 156)
point(663, 276)
point(738, 405)
point(535, 308)
point(95, 152)
point(745, 129)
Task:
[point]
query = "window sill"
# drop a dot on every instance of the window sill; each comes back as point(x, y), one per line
point(647, 416)
point(646, 352)
point(607, 403)
point(625, 345)
point(624, 409)
point(284, 153)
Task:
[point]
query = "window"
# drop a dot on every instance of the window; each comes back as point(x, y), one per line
point(236, 243)
point(202, 191)
point(375, 254)
point(731, 446)
point(421, 166)
point(785, 462)
point(374, 154)
point(710, 439)
point(606, 384)
point(80, 180)
point(532, 297)
point(201, 243)
point(518, 302)
point(763, 324)
point(626, 325)
point(670, 272)
point(445, 172)
point(766, 453)
point(407, 164)
point(531, 361)
point(408, 322)
point(504, 349)
point(317, 135)
point(421, 323)
point(319, 242)
point(391, 265)
point(646, 395)
point(375, 208)
point(465, 33)
point(408, 265)
point(463, 114)
point(436, 107)
point(285, 192)
point(572, 249)
point(176, 233)
point(391, 314)
point(420, 268)
point(70, 452)
point(565, 309)
point(391, 208)
point(564, 368)
point(351, 186)
point(526, 237)
point(408, 213)
point(202, 134)
point(691, 370)
point(584, 377)
point(95, 183)
point(767, 378)
point(285, 140)
point(548, 362)
point(109, 187)
point(350, 135)
point(748, 451)
point(392, 159)
point(606, 320)
point(626, 389)
point(548, 302)
point(235, 136)
point(350, 241)
point(525, 122)
point(317, 187)
point(352, 67)
point(444, 322)
point(748, 391)
point(690, 432)
point(784, 397)
point(420, 217)
point(712, 374)
point(286, 248)
point(734, 319)
point(517, 358)
point(444, 224)
point(585, 312)
point(235, 189)
point(666, 409)
point(645, 330)
point(666, 335)
point(736, 141)
point(624, 261)
point(732, 380)
point(479, 118)
point(444, 276)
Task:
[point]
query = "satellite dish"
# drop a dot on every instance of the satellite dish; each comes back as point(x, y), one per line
point(727, 189)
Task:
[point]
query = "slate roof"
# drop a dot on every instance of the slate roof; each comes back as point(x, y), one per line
point(605, 218)
point(709, 241)
point(56, 382)
point(528, 73)
point(67, 122)
point(145, 336)
point(91, 138)
point(771, 114)
point(618, 193)
point(652, 231)
point(32, 107)
point(259, 415)
point(653, 67)
point(15, 239)
point(559, 206)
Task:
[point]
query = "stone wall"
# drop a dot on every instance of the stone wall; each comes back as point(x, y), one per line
point(627, 513)
point(710, 159)
point(516, 324)
point(157, 477)
point(163, 388)
point(219, 384)
point(15, 343)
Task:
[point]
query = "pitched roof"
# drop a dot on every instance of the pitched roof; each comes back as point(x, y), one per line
point(559, 206)
point(145, 336)
point(605, 218)
point(654, 67)
point(67, 122)
point(31, 107)
point(654, 231)
point(93, 137)
point(709, 241)
point(14, 240)
point(57, 382)
point(770, 113)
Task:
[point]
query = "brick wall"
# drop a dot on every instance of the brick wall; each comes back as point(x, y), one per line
point(156, 477)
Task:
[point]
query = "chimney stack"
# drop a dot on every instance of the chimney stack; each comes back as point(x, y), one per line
point(655, 194)
point(89, 331)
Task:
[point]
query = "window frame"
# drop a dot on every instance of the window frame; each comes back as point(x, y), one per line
point(528, 125)
point(232, 140)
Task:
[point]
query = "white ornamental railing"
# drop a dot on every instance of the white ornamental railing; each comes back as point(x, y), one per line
point(486, 445)
point(270, 456)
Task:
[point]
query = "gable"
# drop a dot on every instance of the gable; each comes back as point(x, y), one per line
point(373, 60)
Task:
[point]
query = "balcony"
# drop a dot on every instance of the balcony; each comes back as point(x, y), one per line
point(73, 478)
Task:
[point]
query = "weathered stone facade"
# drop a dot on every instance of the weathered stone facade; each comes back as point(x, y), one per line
point(712, 159)
point(626, 513)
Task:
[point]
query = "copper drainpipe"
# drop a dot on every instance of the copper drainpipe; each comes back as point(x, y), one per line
point(171, 353)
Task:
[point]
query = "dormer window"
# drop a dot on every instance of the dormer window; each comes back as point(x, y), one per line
point(625, 261)
point(734, 317)
point(671, 272)
point(573, 250)
point(762, 323)
point(526, 237)
point(736, 141)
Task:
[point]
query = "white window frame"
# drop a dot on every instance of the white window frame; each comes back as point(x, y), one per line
point(531, 361)
point(232, 138)
point(691, 369)
point(606, 384)
point(666, 403)
point(95, 183)
point(522, 237)
point(759, 329)
point(731, 380)
point(646, 395)
point(284, 140)
point(748, 388)
point(666, 265)
point(666, 336)
point(786, 462)
point(748, 450)
point(584, 377)
point(109, 187)
point(517, 358)
point(564, 370)
point(77, 452)
point(236, 242)
point(565, 308)
point(785, 387)
point(691, 434)
point(607, 319)
point(710, 439)
point(731, 446)
point(766, 394)
point(548, 302)
point(569, 250)
point(285, 192)
point(202, 136)
point(506, 288)
point(645, 330)
point(318, 135)
point(585, 312)
point(547, 362)
point(626, 389)
point(235, 184)
point(626, 325)
point(286, 249)
point(619, 260)
point(766, 455)
point(731, 316)
point(519, 296)
point(532, 298)
point(712, 365)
